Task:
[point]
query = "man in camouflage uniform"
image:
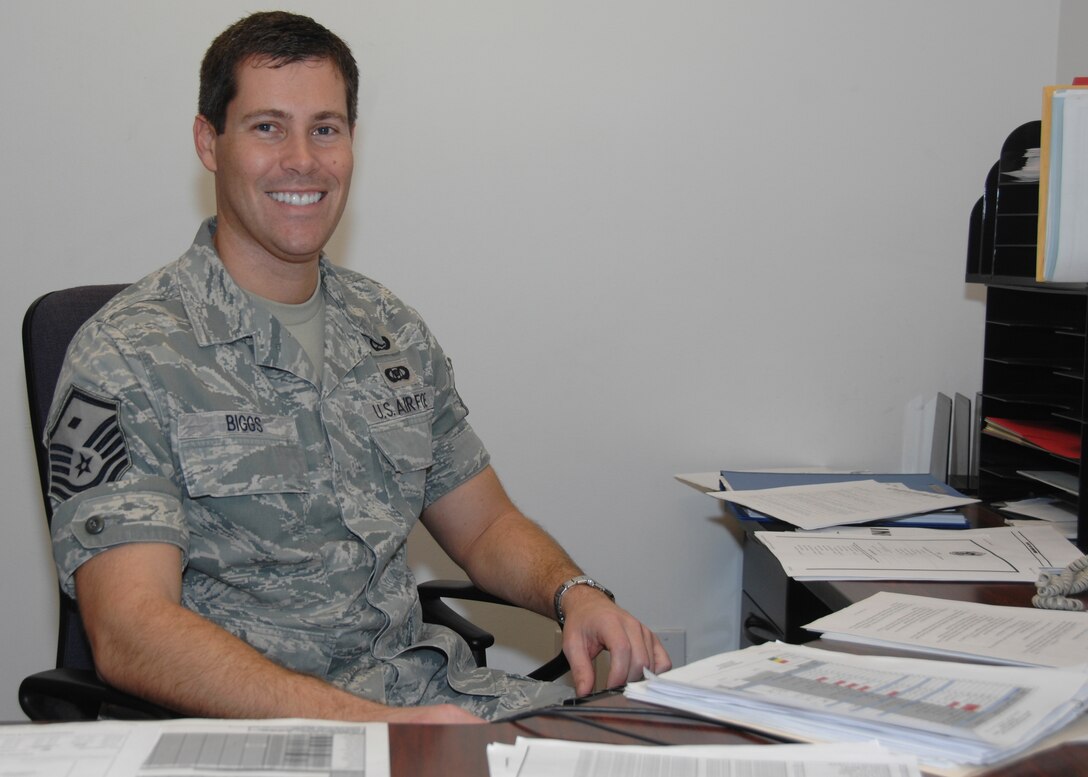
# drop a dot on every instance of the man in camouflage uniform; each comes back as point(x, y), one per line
point(243, 440)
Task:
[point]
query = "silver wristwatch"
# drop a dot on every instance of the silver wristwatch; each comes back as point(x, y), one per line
point(577, 580)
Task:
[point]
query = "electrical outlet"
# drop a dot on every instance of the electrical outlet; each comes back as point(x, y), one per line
point(675, 643)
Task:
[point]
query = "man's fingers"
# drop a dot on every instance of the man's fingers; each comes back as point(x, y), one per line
point(662, 662)
point(632, 648)
point(619, 666)
point(581, 669)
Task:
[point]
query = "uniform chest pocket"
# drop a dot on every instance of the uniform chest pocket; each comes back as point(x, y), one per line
point(236, 454)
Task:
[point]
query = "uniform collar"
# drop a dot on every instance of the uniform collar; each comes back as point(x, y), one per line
point(221, 312)
point(352, 332)
point(218, 309)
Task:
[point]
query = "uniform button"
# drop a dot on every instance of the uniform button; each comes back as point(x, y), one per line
point(94, 525)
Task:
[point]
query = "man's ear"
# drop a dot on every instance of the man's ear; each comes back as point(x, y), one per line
point(204, 136)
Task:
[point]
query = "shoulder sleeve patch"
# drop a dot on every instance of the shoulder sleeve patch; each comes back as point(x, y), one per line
point(86, 445)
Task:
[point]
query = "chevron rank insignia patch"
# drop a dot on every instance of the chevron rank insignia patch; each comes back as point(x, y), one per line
point(86, 445)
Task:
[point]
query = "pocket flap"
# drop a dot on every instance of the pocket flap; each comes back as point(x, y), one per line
point(235, 454)
point(406, 445)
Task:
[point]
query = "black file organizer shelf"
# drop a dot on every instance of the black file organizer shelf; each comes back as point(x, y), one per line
point(1036, 346)
point(1004, 222)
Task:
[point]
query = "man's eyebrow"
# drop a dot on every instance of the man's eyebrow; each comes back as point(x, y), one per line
point(331, 115)
point(274, 113)
point(266, 113)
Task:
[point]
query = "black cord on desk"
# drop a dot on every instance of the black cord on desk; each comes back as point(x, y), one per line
point(573, 710)
point(645, 712)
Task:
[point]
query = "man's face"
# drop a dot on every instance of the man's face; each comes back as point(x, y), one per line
point(282, 164)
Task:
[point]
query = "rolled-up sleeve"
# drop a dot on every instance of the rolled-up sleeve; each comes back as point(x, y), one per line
point(108, 494)
point(458, 452)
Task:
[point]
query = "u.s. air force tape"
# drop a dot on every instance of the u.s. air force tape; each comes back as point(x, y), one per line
point(86, 445)
point(411, 402)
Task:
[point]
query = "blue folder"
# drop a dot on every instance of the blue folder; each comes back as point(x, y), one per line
point(753, 481)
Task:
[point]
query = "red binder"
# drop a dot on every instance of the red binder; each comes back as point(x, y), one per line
point(1046, 436)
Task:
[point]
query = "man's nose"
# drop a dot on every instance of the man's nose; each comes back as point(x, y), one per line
point(298, 155)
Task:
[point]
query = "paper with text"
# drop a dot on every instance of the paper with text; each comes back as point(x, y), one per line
point(944, 712)
point(1013, 635)
point(1005, 553)
point(556, 758)
point(819, 505)
point(240, 748)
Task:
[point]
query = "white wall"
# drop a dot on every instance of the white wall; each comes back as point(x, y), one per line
point(1072, 51)
point(655, 237)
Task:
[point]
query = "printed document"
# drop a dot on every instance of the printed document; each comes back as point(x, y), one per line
point(1009, 635)
point(556, 758)
point(1005, 553)
point(1059, 513)
point(819, 505)
point(944, 712)
point(240, 748)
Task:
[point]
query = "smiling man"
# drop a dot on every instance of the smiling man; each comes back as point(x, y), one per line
point(245, 438)
point(282, 158)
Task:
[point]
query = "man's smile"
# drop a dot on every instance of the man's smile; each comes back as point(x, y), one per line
point(297, 198)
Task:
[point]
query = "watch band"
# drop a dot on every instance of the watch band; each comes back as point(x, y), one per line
point(569, 584)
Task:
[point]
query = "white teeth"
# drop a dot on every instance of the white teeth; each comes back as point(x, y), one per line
point(294, 198)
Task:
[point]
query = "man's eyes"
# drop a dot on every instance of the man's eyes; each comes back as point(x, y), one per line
point(269, 128)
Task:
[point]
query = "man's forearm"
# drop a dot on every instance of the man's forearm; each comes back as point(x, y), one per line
point(211, 673)
point(503, 552)
point(516, 559)
point(182, 661)
point(145, 643)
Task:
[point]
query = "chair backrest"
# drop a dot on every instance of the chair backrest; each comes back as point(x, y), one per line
point(48, 328)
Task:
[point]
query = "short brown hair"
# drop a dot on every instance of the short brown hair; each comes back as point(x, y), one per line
point(275, 38)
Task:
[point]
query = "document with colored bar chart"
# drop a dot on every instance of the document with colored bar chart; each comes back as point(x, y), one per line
point(946, 713)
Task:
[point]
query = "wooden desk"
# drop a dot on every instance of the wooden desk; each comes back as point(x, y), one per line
point(461, 751)
point(456, 751)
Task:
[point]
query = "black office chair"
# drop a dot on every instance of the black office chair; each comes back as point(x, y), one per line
point(72, 691)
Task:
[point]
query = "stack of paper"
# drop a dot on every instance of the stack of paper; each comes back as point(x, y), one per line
point(819, 505)
point(1010, 635)
point(555, 758)
point(1029, 171)
point(945, 713)
point(889, 514)
point(1056, 512)
point(1062, 253)
point(1011, 554)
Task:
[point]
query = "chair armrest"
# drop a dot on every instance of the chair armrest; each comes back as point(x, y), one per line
point(457, 589)
point(77, 694)
point(438, 612)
